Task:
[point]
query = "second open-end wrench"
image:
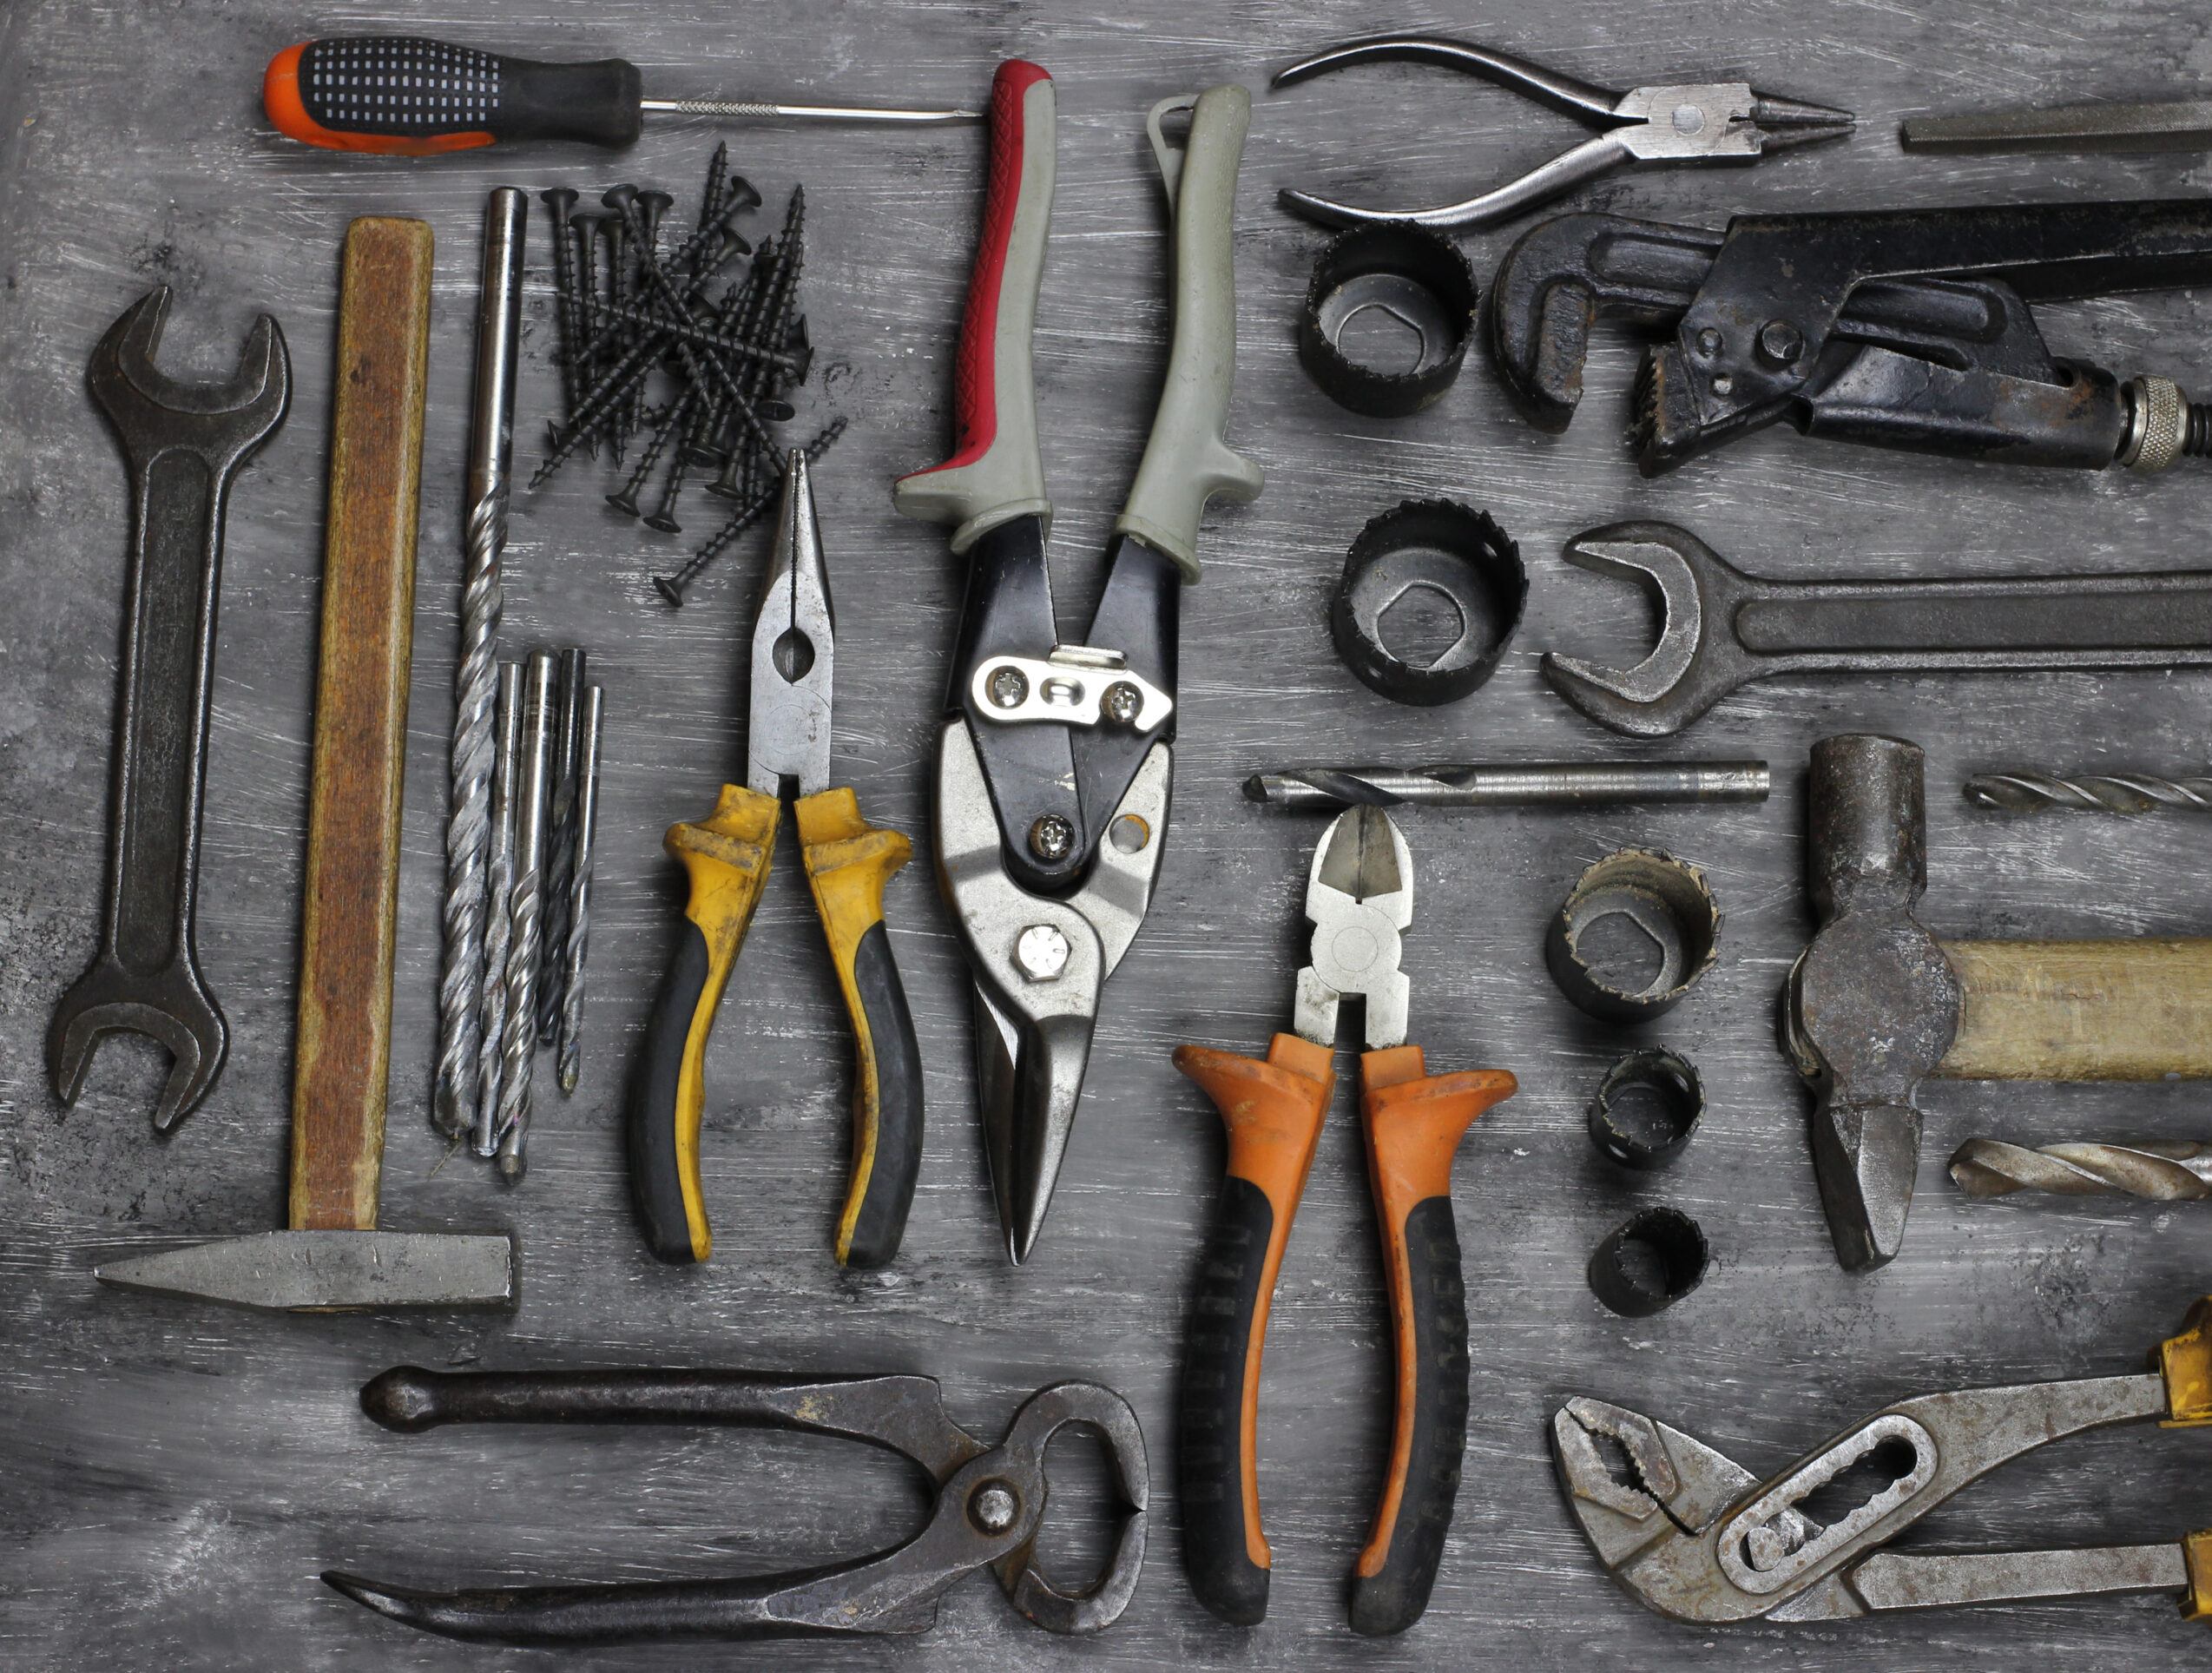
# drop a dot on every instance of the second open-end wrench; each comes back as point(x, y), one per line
point(185, 443)
point(1719, 627)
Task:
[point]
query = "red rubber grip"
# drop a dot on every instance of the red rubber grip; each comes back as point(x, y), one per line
point(281, 98)
point(975, 405)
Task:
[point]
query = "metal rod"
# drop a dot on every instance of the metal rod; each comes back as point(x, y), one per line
point(587, 817)
point(491, 1021)
point(2176, 125)
point(840, 112)
point(2117, 793)
point(1538, 784)
point(533, 766)
point(467, 832)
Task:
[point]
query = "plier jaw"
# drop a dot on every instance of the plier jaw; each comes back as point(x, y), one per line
point(1690, 122)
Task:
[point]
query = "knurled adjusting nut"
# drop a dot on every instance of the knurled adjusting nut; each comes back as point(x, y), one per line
point(2158, 421)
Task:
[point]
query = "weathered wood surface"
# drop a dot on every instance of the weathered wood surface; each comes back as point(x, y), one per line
point(176, 1477)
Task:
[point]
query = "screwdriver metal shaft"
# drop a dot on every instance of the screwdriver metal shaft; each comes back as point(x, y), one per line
point(834, 113)
point(2117, 792)
point(2163, 1172)
point(1538, 784)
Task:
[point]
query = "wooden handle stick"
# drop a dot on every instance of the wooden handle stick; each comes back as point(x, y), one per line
point(344, 1058)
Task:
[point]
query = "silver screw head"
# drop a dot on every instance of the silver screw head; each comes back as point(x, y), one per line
point(1122, 702)
point(1052, 838)
point(1042, 952)
point(1009, 688)
point(1780, 343)
point(1709, 342)
point(993, 1507)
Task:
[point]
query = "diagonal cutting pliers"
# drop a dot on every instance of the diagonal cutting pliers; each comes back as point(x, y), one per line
point(1693, 1535)
point(988, 1503)
point(848, 862)
point(1689, 122)
point(1054, 763)
point(1360, 898)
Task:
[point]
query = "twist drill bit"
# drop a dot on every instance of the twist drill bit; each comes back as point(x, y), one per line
point(2117, 792)
point(468, 827)
point(2160, 1171)
point(560, 845)
point(1554, 784)
point(587, 813)
point(519, 1041)
point(491, 1022)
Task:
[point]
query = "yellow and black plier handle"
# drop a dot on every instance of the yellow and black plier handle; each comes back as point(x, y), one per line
point(848, 864)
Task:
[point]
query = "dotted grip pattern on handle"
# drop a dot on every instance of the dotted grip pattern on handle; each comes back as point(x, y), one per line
point(1273, 1111)
point(1414, 1124)
point(996, 473)
point(402, 96)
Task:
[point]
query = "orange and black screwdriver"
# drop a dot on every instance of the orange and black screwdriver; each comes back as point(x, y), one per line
point(406, 96)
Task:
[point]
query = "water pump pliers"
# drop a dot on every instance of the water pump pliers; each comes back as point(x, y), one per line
point(1054, 764)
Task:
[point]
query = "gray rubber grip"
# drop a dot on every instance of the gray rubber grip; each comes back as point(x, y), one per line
point(1186, 461)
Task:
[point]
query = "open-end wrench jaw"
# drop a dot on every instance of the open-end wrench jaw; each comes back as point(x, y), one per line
point(184, 442)
point(1696, 661)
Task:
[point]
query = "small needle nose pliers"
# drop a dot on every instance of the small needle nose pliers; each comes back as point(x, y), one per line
point(990, 1502)
point(1695, 122)
point(1359, 897)
point(848, 862)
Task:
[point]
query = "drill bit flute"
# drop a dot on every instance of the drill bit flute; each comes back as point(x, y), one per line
point(475, 683)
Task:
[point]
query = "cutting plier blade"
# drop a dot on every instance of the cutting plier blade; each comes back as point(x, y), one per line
point(1359, 900)
point(1686, 121)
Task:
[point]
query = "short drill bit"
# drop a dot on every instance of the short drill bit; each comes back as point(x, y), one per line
point(467, 832)
point(519, 1041)
point(587, 815)
point(1539, 784)
point(2116, 793)
point(499, 890)
point(2161, 1171)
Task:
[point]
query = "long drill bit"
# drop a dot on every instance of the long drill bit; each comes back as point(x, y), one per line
point(1538, 784)
point(2115, 793)
point(2163, 1172)
point(532, 765)
point(560, 845)
point(587, 815)
point(499, 878)
point(468, 827)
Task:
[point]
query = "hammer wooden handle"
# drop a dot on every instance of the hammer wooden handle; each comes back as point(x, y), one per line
point(2133, 1010)
point(352, 879)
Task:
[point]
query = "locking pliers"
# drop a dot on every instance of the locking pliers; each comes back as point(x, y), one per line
point(1688, 122)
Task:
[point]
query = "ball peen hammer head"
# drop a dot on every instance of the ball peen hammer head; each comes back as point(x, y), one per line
point(1872, 1005)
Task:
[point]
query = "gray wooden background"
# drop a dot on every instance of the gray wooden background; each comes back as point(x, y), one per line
point(171, 1478)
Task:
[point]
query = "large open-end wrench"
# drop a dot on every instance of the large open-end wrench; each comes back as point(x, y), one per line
point(184, 444)
point(1720, 628)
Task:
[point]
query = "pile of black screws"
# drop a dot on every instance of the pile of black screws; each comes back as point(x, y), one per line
point(630, 308)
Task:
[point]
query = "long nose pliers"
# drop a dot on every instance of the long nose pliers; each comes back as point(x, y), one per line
point(1054, 762)
point(848, 862)
point(1688, 122)
point(1360, 898)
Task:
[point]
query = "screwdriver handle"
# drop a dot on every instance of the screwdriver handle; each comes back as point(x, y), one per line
point(727, 856)
point(995, 474)
point(848, 862)
point(1273, 1111)
point(1414, 1122)
point(403, 95)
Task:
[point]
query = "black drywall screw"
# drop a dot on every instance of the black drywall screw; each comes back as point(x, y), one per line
point(671, 587)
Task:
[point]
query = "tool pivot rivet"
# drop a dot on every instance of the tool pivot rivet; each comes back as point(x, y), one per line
point(1052, 838)
point(1780, 343)
point(1709, 341)
point(1724, 384)
point(993, 1507)
point(1009, 688)
point(1042, 952)
point(1122, 702)
point(1689, 119)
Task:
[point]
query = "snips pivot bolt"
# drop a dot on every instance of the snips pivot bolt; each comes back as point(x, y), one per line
point(1052, 838)
point(1042, 952)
